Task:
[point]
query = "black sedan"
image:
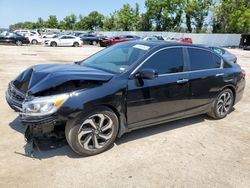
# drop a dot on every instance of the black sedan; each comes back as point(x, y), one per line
point(89, 39)
point(7, 37)
point(124, 87)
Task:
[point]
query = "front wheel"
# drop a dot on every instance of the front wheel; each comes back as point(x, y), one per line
point(222, 105)
point(53, 44)
point(19, 43)
point(34, 42)
point(92, 133)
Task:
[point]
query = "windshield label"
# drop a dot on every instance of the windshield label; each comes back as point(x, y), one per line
point(142, 47)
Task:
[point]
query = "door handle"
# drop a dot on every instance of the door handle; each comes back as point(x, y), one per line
point(182, 81)
point(219, 74)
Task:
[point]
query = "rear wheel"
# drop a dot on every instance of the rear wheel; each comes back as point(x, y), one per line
point(34, 42)
point(53, 44)
point(76, 44)
point(222, 105)
point(19, 43)
point(92, 133)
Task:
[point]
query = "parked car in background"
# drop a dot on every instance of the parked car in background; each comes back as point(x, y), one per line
point(125, 87)
point(170, 39)
point(33, 38)
point(64, 40)
point(131, 37)
point(50, 35)
point(113, 40)
point(185, 40)
point(78, 33)
point(245, 41)
point(27, 32)
point(89, 39)
point(153, 38)
point(224, 53)
point(7, 37)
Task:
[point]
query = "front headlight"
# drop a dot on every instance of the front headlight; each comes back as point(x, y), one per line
point(41, 106)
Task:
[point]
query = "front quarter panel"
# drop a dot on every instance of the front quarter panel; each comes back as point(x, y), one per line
point(111, 94)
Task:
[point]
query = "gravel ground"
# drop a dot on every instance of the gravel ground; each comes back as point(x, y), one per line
point(193, 152)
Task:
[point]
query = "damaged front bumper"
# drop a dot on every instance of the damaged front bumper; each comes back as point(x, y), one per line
point(45, 127)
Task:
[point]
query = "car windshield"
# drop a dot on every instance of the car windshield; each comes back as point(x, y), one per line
point(116, 59)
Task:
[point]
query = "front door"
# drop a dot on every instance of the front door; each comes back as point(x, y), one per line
point(155, 101)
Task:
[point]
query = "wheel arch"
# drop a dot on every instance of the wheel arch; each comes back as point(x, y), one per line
point(121, 118)
point(232, 88)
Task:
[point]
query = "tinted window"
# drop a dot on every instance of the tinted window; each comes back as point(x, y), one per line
point(166, 61)
point(202, 59)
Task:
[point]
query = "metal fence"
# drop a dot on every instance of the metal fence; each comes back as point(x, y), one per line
point(206, 39)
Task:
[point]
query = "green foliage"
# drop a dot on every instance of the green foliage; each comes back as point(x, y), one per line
point(52, 22)
point(228, 16)
point(126, 18)
point(94, 21)
point(232, 16)
point(196, 13)
point(69, 22)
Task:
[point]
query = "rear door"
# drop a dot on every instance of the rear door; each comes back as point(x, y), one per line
point(63, 41)
point(153, 101)
point(206, 78)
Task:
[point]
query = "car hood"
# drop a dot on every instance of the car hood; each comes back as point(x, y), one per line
point(42, 77)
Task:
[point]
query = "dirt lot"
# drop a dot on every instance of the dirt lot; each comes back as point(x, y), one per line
point(194, 152)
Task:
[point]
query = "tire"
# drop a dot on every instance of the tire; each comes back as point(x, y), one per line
point(19, 43)
point(222, 105)
point(94, 43)
point(53, 44)
point(93, 132)
point(76, 44)
point(34, 42)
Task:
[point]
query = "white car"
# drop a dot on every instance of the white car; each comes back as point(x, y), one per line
point(50, 35)
point(34, 39)
point(29, 32)
point(64, 40)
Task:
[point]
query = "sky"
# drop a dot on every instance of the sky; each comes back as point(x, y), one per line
point(13, 11)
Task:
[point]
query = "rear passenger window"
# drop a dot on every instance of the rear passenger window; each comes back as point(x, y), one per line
point(166, 61)
point(202, 59)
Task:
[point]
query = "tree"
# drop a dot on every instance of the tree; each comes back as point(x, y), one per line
point(165, 15)
point(232, 16)
point(126, 18)
point(94, 20)
point(40, 23)
point(196, 13)
point(69, 22)
point(81, 24)
point(110, 22)
point(145, 23)
point(154, 13)
point(137, 17)
point(52, 22)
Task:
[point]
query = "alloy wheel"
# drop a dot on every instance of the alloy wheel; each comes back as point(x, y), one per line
point(19, 43)
point(224, 103)
point(95, 132)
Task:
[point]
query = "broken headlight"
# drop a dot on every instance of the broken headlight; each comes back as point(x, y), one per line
point(40, 106)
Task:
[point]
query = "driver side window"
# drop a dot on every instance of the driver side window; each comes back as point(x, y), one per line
point(166, 61)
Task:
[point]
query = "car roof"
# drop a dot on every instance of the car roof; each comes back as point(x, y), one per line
point(163, 44)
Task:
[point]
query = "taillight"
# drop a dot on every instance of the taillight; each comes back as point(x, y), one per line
point(243, 74)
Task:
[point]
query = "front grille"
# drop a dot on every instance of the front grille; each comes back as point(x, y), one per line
point(15, 97)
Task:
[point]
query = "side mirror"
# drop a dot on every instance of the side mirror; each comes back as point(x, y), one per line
point(149, 74)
